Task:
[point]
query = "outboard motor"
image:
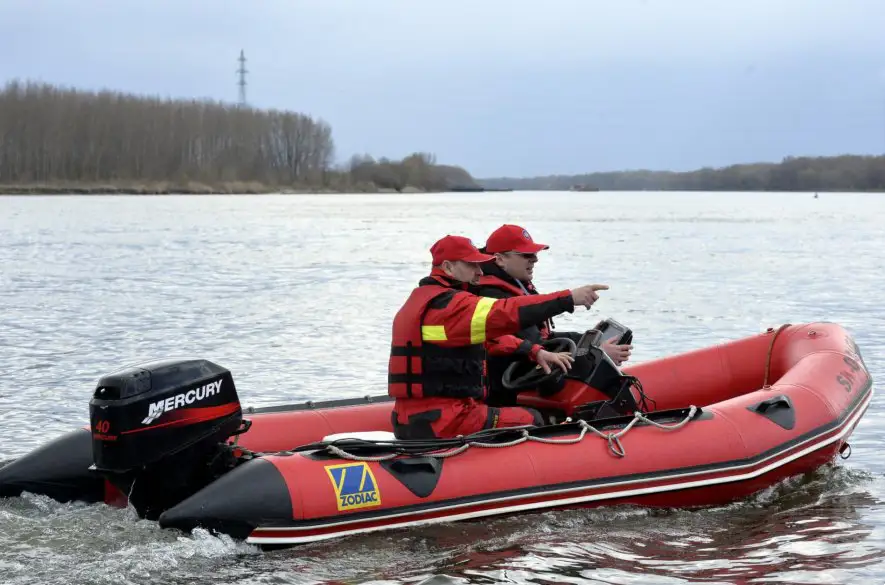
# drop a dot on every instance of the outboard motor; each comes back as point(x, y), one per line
point(160, 430)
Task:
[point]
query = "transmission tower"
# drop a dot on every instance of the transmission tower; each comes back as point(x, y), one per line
point(242, 79)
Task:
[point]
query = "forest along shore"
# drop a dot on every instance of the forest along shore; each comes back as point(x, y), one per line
point(64, 141)
point(58, 140)
point(188, 189)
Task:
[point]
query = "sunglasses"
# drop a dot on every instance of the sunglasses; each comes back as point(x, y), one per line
point(526, 256)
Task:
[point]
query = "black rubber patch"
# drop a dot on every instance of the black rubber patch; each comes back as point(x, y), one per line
point(419, 474)
point(778, 410)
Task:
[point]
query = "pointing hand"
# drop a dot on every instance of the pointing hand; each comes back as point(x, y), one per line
point(586, 295)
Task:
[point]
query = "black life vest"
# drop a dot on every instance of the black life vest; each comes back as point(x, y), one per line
point(498, 284)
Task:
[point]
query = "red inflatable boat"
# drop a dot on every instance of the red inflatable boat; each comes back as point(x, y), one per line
point(701, 428)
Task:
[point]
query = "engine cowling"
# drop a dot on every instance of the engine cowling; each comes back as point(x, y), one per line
point(159, 427)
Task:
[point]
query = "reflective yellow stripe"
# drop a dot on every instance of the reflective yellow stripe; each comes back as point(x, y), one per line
point(433, 333)
point(478, 322)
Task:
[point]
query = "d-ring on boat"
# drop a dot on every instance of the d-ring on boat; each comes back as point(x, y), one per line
point(171, 439)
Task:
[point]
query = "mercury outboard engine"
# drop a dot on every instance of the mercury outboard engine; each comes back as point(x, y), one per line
point(160, 430)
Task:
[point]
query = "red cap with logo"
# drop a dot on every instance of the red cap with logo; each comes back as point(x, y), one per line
point(454, 248)
point(512, 238)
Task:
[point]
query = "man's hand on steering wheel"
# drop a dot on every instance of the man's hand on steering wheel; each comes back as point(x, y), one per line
point(548, 359)
point(524, 375)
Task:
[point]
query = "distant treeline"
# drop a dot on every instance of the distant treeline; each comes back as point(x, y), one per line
point(56, 136)
point(419, 169)
point(838, 173)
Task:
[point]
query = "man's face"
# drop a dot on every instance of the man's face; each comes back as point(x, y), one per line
point(463, 271)
point(519, 266)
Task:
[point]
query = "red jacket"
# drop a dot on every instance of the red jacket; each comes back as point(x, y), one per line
point(440, 332)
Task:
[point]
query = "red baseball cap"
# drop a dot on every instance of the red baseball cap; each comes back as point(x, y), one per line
point(454, 248)
point(512, 238)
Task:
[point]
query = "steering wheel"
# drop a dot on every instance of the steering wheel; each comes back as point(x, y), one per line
point(524, 375)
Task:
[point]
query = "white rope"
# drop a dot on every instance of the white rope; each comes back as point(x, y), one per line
point(614, 439)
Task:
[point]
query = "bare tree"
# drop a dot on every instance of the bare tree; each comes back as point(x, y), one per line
point(54, 135)
point(48, 134)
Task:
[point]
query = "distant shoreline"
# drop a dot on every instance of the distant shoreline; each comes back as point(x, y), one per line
point(846, 173)
point(166, 189)
point(233, 188)
point(75, 189)
point(252, 188)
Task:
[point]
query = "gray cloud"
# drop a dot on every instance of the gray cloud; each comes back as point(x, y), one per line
point(501, 86)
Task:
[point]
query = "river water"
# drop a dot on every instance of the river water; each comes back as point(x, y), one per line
point(295, 295)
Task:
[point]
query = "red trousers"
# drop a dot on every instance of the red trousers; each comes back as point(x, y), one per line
point(424, 418)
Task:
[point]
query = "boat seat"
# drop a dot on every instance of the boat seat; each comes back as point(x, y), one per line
point(365, 435)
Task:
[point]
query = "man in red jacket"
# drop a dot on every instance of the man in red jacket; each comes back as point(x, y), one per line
point(437, 355)
point(510, 275)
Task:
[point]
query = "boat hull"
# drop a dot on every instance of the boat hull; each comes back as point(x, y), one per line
point(703, 485)
point(770, 406)
point(787, 402)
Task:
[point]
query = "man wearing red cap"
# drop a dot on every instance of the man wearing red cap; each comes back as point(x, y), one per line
point(510, 275)
point(435, 370)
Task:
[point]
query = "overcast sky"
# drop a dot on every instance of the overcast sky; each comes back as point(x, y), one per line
point(501, 87)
